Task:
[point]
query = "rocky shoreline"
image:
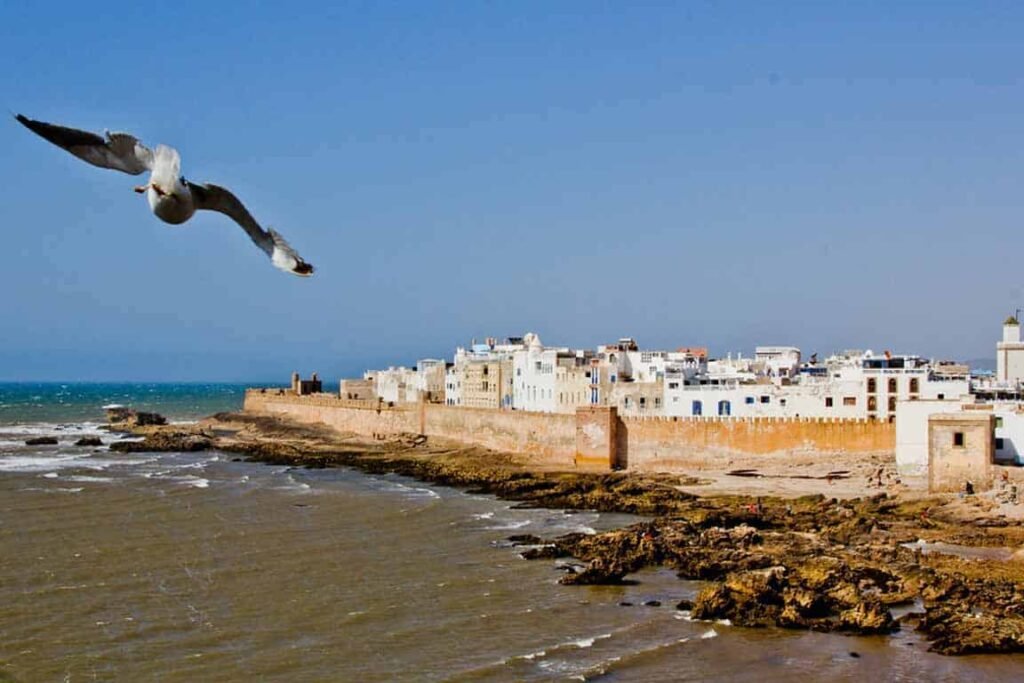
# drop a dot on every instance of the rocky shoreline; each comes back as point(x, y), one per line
point(812, 562)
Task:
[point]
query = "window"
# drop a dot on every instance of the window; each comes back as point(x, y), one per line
point(485, 386)
point(999, 422)
point(828, 401)
point(593, 396)
point(643, 402)
point(782, 402)
point(696, 408)
point(892, 404)
point(657, 402)
point(999, 444)
point(872, 385)
point(673, 385)
point(724, 408)
point(942, 396)
point(519, 372)
point(749, 400)
point(484, 371)
point(914, 384)
point(766, 399)
point(536, 366)
point(611, 378)
point(892, 385)
point(958, 438)
point(625, 402)
point(872, 403)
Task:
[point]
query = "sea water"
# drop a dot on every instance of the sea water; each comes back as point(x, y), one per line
point(185, 567)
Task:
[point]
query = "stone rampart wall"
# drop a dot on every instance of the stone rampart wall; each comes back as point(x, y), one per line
point(644, 444)
point(667, 443)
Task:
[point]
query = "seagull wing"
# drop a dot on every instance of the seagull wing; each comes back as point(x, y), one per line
point(215, 198)
point(119, 151)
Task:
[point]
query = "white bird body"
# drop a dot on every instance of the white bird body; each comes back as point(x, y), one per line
point(171, 198)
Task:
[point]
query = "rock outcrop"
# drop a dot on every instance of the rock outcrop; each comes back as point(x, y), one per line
point(126, 419)
point(165, 441)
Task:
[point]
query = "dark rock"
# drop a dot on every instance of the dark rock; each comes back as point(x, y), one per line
point(685, 605)
point(855, 655)
point(955, 629)
point(162, 442)
point(652, 603)
point(625, 604)
point(89, 441)
point(525, 539)
point(544, 552)
point(600, 572)
point(41, 441)
point(127, 418)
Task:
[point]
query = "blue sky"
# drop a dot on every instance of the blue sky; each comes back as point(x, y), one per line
point(720, 174)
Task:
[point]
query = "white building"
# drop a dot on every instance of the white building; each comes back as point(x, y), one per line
point(912, 430)
point(390, 385)
point(533, 368)
point(848, 386)
point(1010, 353)
point(777, 361)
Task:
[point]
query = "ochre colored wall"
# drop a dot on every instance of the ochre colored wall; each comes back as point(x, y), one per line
point(665, 443)
point(554, 440)
point(596, 442)
point(545, 438)
point(348, 416)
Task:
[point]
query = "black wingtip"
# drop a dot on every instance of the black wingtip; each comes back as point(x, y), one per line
point(303, 269)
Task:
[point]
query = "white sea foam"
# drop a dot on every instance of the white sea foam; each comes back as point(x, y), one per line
point(189, 480)
point(710, 633)
point(509, 525)
point(37, 463)
point(483, 515)
point(589, 642)
point(87, 479)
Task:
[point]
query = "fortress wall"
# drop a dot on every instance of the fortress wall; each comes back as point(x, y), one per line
point(667, 443)
point(543, 438)
point(592, 438)
point(360, 417)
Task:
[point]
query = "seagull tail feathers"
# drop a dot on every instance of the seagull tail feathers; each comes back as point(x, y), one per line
point(286, 258)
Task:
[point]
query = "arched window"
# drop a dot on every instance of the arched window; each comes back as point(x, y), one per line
point(914, 385)
point(872, 388)
point(892, 385)
point(724, 408)
point(892, 404)
point(696, 408)
point(872, 403)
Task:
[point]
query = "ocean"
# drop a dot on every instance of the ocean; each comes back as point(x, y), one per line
point(187, 567)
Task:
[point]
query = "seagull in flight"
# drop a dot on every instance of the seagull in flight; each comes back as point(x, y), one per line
point(172, 198)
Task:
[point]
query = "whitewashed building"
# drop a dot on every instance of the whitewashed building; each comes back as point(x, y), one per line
point(1010, 353)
